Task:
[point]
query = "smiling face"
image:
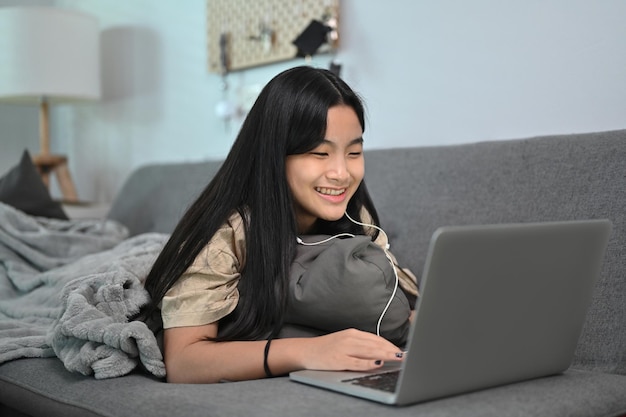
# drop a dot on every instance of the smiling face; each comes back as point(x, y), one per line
point(324, 179)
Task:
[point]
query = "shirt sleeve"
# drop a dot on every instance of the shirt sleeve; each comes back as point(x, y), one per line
point(207, 291)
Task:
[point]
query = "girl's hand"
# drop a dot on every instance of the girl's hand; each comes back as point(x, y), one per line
point(349, 350)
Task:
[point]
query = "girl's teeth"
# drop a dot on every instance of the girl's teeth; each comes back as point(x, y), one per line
point(330, 191)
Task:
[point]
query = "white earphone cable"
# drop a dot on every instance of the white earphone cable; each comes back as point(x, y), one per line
point(300, 241)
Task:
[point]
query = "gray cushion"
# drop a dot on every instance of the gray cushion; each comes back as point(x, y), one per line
point(23, 188)
point(346, 283)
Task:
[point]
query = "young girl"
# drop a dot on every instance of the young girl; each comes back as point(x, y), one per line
point(221, 281)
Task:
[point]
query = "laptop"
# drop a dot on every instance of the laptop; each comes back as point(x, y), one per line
point(499, 304)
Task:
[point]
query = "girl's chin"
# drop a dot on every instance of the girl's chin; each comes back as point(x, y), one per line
point(331, 217)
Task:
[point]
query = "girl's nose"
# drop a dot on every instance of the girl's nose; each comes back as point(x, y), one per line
point(338, 169)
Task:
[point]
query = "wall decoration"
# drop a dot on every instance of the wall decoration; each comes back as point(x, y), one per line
point(248, 33)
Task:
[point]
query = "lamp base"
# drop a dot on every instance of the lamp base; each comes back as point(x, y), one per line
point(56, 164)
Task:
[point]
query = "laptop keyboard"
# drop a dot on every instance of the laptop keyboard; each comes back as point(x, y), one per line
point(386, 381)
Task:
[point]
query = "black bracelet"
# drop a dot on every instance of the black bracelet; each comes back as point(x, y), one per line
point(268, 373)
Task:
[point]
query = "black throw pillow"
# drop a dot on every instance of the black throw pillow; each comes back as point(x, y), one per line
point(23, 188)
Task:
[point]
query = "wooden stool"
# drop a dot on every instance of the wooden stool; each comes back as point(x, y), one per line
point(56, 164)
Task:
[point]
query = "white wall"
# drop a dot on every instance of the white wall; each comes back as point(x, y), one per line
point(457, 71)
point(431, 72)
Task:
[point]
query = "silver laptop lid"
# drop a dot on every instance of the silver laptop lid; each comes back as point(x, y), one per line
point(499, 304)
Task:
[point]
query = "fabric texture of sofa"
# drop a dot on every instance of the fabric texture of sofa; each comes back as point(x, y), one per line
point(416, 190)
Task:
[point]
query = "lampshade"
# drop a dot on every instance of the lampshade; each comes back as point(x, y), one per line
point(48, 53)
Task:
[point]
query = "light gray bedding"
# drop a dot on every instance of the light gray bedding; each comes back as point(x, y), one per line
point(68, 289)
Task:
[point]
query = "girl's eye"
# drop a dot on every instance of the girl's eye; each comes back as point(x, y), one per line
point(319, 153)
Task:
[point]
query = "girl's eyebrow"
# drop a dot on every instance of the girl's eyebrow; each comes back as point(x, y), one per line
point(357, 141)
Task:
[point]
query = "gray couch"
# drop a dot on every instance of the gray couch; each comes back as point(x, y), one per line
point(416, 190)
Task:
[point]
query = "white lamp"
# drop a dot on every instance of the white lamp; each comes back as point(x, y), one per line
point(49, 55)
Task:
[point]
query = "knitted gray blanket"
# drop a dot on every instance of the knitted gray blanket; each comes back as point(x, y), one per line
point(69, 288)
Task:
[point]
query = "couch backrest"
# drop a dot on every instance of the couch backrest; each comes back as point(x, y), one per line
point(155, 197)
point(416, 190)
point(568, 177)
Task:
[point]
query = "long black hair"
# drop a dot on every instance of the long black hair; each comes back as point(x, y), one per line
point(289, 117)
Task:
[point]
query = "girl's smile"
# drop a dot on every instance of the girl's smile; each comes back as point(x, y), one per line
point(332, 195)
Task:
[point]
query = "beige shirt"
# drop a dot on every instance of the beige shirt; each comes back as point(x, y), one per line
point(207, 291)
